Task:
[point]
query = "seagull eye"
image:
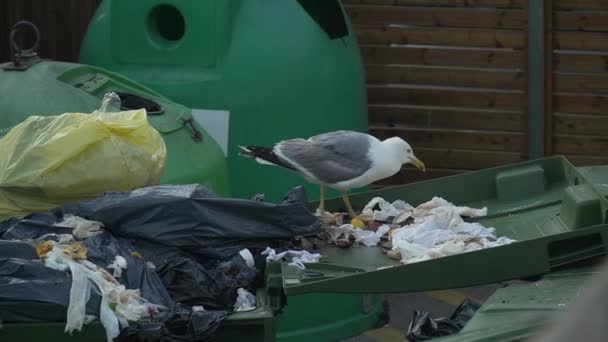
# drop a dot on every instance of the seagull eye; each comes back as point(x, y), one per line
point(409, 150)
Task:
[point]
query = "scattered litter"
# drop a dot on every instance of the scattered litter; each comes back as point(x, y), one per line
point(76, 251)
point(423, 327)
point(366, 237)
point(358, 223)
point(245, 301)
point(118, 305)
point(329, 218)
point(298, 258)
point(246, 254)
point(431, 230)
point(83, 228)
point(137, 255)
point(439, 230)
point(198, 308)
point(118, 265)
point(397, 209)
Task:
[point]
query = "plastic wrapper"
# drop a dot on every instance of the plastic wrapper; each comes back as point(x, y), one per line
point(423, 327)
point(52, 160)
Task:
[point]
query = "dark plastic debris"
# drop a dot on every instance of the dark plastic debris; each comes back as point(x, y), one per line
point(180, 325)
point(195, 220)
point(181, 244)
point(423, 327)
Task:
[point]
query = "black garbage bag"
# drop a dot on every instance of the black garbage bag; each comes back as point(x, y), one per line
point(214, 288)
point(32, 292)
point(423, 327)
point(195, 281)
point(17, 249)
point(195, 220)
point(102, 249)
point(180, 325)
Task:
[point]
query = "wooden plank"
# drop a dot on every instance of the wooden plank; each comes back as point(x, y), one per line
point(580, 21)
point(580, 103)
point(411, 175)
point(444, 96)
point(582, 160)
point(580, 62)
point(460, 77)
point(379, 35)
point(454, 138)
point(447, 158)
point(565, 123)
point(571, 40)
point(465, 118)
point(373, 54)
point(581, 4)
point(581, 83)
point(436, 16)
point(581, 144)
point(442, 3)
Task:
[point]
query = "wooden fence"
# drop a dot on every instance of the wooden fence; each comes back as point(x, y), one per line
point(62, 24)
point(577, 101)
point(450, 76)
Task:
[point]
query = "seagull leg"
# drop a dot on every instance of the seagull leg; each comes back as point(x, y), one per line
point(349, 207)
point(322, 199)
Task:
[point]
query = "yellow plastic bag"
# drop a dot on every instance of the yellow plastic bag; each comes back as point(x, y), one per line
point(49, 161)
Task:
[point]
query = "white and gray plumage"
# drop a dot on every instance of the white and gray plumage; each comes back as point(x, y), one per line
point(340, 160)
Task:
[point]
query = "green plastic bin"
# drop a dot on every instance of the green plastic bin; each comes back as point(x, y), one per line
point(542, 215)
point(271, 70)
point(556, 215)
point(53, 88)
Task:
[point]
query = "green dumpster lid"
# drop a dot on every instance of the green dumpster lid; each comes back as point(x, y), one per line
point(547, 205)
point(97, 82)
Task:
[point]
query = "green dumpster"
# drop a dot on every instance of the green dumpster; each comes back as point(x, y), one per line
point(52, 88)
point(258, 71)
point(543, 216)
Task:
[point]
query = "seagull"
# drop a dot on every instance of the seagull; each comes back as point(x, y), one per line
point(340, 160)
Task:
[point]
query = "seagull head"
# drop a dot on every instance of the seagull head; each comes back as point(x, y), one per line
point(404, 151)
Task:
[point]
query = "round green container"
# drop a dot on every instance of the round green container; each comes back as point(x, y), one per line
point(53, 88)
point(281, 69)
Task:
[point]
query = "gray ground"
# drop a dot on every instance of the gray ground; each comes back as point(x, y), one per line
point(438, 303)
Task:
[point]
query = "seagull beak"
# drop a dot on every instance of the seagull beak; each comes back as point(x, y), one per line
point(418, 163)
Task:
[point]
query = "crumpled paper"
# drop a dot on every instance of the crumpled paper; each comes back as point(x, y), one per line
point(439, 230)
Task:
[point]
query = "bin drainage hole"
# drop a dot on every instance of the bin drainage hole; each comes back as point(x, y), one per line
point(167, 22)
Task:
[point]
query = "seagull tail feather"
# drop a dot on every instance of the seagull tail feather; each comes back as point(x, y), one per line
point(263, 155)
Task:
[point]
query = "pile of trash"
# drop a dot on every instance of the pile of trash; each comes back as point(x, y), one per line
point(411, 234)
point(161, 263)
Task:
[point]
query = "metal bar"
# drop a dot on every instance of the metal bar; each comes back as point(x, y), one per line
point(549, 78)
point(536, 78)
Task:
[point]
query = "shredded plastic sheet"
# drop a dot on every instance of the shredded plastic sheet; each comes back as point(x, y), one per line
point(119, 305)
point(365, 237)
point(298, 258)
point(439, 230)
point(245, 301)
point(399, 210)
point(83, 228)
point(118, 266)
